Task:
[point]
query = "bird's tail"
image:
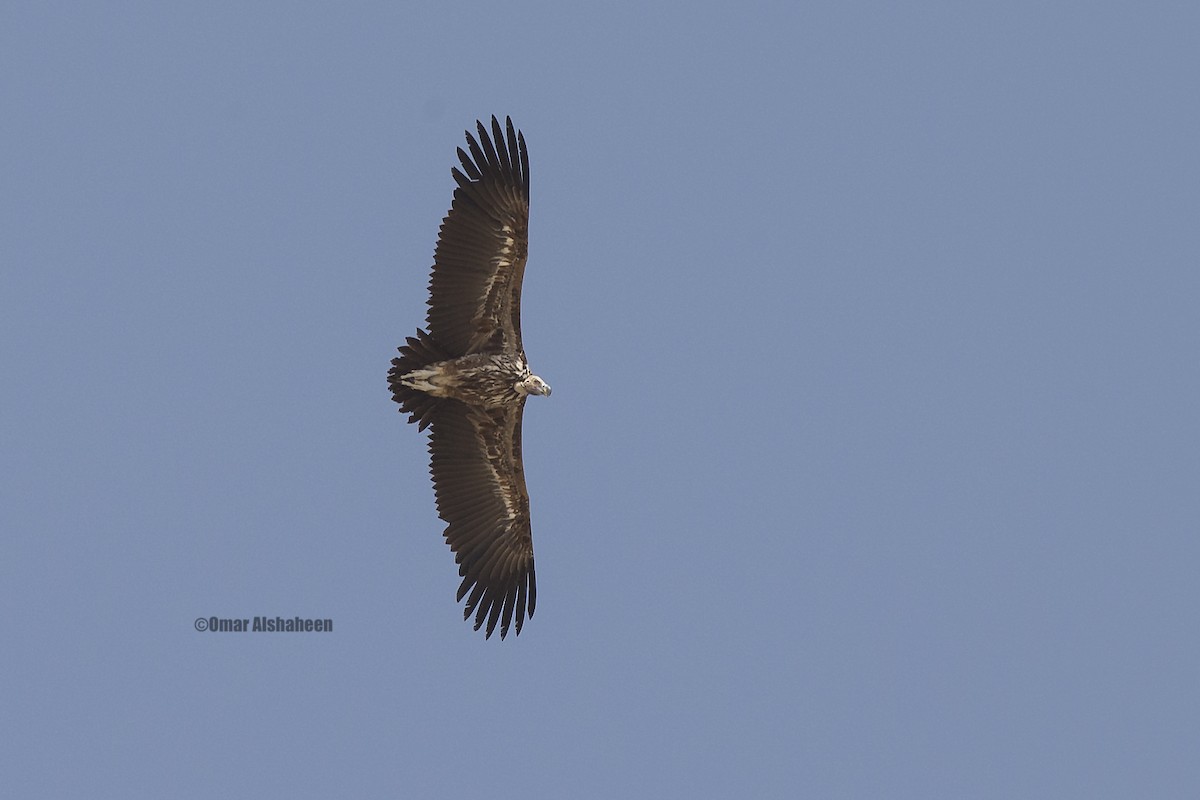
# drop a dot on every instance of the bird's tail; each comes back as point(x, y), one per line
point(418, 352)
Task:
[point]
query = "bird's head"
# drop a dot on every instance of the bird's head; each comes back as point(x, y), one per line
point(534, 385)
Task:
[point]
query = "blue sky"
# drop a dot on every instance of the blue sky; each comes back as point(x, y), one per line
point(872, 467)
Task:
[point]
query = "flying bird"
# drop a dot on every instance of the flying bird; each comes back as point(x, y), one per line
point(466, 379)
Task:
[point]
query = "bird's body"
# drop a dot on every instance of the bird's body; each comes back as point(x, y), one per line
point(467, 379)
point(488, 380)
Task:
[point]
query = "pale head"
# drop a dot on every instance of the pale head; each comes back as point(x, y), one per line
point(533, 385)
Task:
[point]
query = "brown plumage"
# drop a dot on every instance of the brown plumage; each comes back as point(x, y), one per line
point(467, 379)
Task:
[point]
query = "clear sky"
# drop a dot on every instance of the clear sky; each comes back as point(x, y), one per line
point(872, 467)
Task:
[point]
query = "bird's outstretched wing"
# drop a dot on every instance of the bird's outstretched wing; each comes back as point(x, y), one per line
point(475, 460)
point(475, 289)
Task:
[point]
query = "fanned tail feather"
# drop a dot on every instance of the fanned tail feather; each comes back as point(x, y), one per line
point(418, 352)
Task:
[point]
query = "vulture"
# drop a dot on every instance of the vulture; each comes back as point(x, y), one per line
point(466, 379)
